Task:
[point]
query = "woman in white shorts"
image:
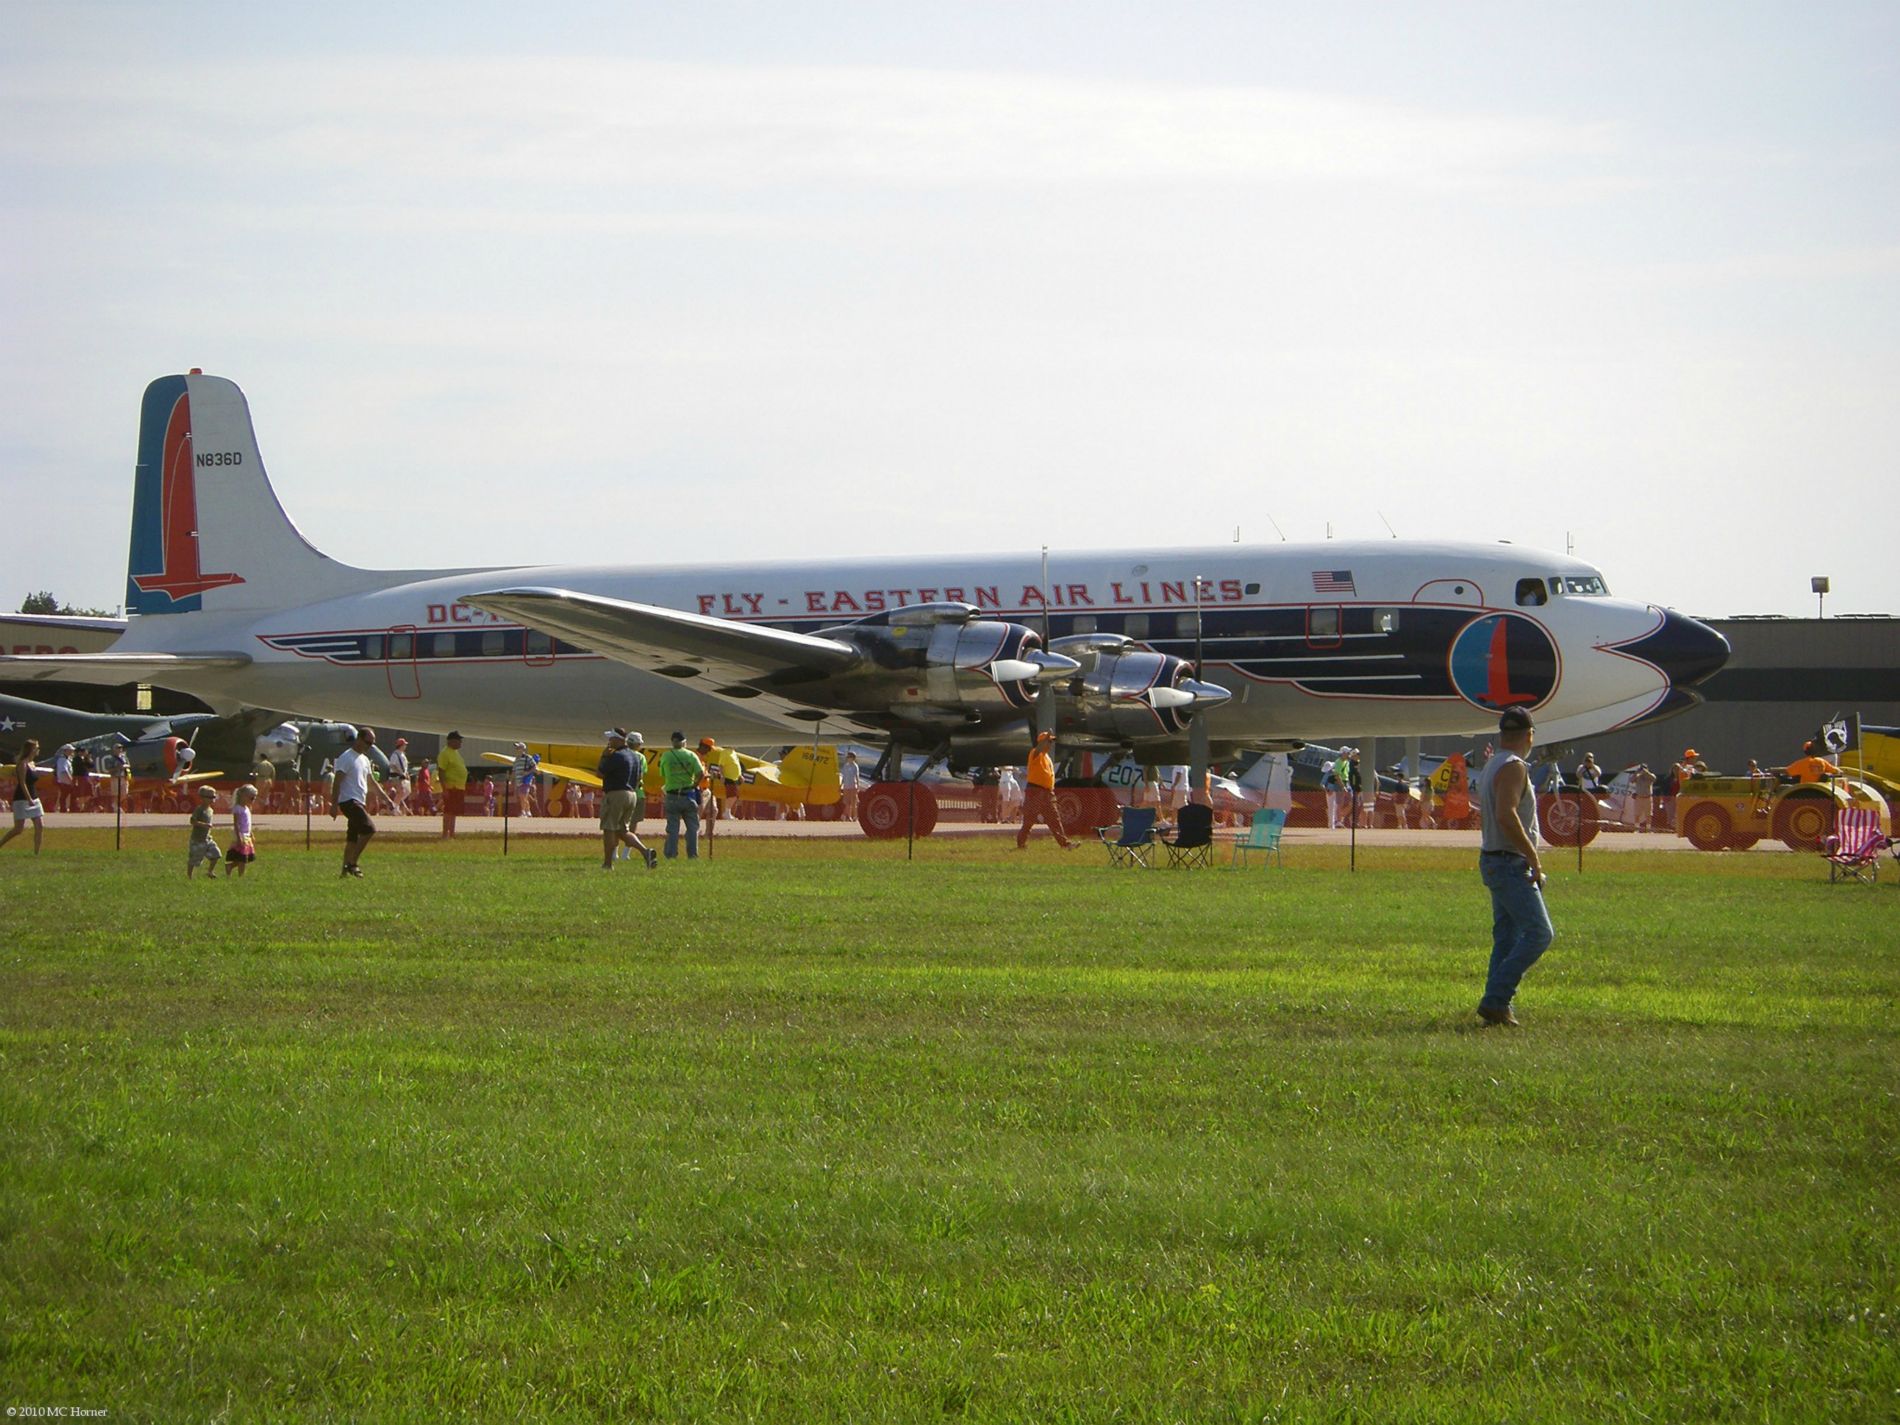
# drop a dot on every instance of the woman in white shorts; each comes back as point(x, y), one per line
point(26, 806)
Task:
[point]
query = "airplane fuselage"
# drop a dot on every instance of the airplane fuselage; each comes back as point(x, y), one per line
point(1376, 638)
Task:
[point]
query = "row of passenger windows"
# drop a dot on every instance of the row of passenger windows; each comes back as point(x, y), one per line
point(1322, 621)
point(464, 643)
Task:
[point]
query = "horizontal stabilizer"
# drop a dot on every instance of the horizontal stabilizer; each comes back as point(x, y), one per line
point(112, 667)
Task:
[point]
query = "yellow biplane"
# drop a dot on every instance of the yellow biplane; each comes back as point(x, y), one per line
point(805, 776)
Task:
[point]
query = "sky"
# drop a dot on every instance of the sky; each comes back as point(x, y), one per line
point(651, 283)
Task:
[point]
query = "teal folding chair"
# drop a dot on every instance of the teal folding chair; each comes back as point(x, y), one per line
point(1263, 835)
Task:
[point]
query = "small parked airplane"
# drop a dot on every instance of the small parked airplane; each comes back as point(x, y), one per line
point(1168, 656)
point(154, 745)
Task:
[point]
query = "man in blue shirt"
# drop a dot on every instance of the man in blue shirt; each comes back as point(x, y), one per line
point(623, 772)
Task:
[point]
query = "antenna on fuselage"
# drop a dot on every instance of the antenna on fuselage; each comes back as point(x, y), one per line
point(1387, 523)
point(1276, 526)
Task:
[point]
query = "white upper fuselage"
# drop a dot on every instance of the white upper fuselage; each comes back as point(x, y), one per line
point(1312, 640)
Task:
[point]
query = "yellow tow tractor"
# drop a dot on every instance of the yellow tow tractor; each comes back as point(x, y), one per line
point(1734, 813)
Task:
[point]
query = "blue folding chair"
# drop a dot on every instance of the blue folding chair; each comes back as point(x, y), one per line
point(1131, 842)
point(1263, 835)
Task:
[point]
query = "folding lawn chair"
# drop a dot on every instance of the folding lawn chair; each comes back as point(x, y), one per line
point(1853, 851)
point(1133, 841)
point(1263, 835)
point(1193, 843)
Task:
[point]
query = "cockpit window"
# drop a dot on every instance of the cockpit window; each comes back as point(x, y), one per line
point(1591, 584)
point(1530, 593)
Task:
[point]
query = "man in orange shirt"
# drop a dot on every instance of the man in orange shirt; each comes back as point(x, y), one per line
point(1809, 767)
point(1039, 793)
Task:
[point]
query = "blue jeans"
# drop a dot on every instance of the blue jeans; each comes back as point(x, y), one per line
point(681, 809)
point(1520, 926)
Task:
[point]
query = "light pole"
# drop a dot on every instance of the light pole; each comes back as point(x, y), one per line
point(1819, 584)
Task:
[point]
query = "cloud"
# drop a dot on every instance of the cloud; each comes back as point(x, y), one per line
point(609, 124)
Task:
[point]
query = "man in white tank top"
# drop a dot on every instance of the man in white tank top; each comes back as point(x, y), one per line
point(1520, 924)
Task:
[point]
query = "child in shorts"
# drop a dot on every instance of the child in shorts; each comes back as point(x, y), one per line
point(243, 849)
point(202, 848)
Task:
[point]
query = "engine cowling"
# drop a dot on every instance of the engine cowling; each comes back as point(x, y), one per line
point(1125, 693)
point(941, 662)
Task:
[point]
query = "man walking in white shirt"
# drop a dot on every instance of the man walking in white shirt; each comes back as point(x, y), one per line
point(349, 794)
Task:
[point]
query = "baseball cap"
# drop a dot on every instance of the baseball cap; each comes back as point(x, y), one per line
point(521, 747)
point(707, 742)
point(679, 739)
point(619, 732)
point(1515, 720)
point(634, 739)
point(455, 737)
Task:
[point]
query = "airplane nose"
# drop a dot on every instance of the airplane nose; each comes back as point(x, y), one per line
point(1685, 650)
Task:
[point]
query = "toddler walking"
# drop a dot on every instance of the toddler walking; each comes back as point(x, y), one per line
point(202, 848)
point(243, 849)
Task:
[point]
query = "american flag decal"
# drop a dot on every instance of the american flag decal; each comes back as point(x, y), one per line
point(1333, 581)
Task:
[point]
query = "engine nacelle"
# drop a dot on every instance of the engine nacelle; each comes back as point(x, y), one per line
point(940, 662)
point(1125, 693)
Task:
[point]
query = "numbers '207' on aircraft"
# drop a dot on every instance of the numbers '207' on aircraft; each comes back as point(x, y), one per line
point(957, 656)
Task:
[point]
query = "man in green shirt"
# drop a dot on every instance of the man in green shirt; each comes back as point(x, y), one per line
point(681, 773)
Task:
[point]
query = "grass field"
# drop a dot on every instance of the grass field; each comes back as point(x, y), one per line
point(811, 1132)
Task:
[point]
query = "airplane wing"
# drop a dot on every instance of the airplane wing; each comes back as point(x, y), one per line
point(553, 769)
point(111, 667)
point(761, 667)
point(936, 672)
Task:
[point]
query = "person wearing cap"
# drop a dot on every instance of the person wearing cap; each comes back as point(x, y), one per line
point(454, 773)
point(1039, 793)
point(1810, 766)
point(681, 773)
point(397, 783)
point(623, 773)
point(1520, 923)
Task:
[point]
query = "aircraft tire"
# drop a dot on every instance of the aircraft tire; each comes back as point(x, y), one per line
point(884, 810)
point(1707, 827)
point(1567, 818)
point(1803, 818)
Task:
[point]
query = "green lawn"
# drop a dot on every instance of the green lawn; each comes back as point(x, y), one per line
point(811, 1132)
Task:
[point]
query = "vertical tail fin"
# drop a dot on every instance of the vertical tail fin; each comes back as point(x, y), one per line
point(207, 531)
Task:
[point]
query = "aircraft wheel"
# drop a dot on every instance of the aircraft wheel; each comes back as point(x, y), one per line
point(884, 810)
point(1567, 818)
point(1708, 827)
point(1803, 819)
